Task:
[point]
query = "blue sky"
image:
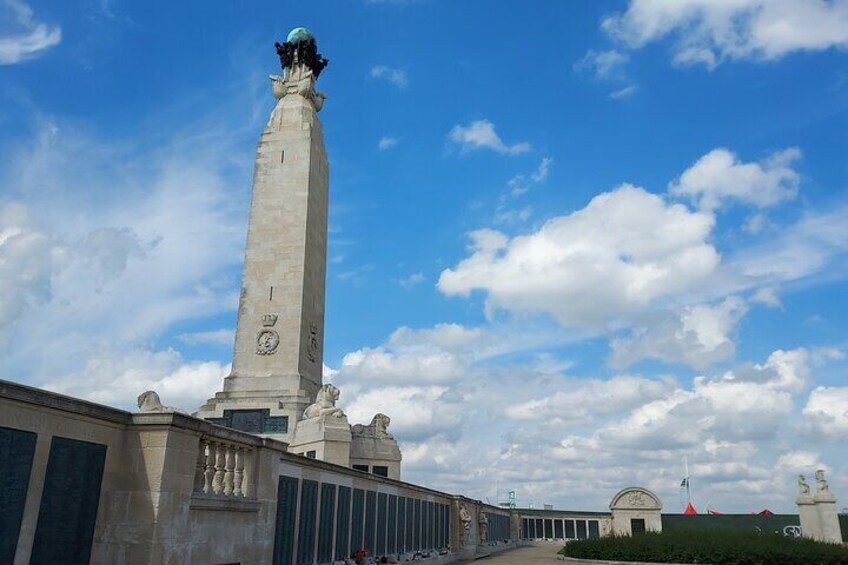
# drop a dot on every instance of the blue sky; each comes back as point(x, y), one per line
point(570, 242)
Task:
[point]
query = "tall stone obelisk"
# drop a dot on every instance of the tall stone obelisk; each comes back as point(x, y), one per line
point(279, 340)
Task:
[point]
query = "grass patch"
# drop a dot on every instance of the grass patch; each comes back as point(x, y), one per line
point(710, 547)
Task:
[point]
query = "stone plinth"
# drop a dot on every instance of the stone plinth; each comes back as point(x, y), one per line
point(829, 530)
point(809, 516)
point(326, 438)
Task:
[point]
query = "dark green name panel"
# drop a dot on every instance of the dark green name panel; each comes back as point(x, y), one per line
point(286, 519)
point(68, 511)
point(16, 451)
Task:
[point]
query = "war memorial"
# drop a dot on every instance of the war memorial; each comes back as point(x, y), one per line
point(269, 470)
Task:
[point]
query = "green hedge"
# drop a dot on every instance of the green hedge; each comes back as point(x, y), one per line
point(713, 547)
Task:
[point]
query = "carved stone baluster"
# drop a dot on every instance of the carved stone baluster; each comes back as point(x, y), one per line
point(249, 484)
point(238, 476)
point(209, 474)
point(229, 467)
point(220, 461)
point(200, 469)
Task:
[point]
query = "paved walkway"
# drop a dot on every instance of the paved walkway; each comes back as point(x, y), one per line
point(539, 552)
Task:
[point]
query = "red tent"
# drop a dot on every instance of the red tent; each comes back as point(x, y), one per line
point(765, 512)
point(690, 510)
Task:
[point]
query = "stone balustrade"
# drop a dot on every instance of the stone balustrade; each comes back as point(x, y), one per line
point(225, 468)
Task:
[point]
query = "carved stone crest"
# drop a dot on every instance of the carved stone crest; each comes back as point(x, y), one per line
point(636, 498)
point(267, 339)
point(312, 343)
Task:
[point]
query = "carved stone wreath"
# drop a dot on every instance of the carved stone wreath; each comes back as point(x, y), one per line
point(267, 341)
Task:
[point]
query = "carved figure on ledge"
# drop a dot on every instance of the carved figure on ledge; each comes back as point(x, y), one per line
point(377, 428)
point(465, 521)
point(821, 483)
point(803, 487)
point(325, 404)
point(483, 527)
point(149, 402)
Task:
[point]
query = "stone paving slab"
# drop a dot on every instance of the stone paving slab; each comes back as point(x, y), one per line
point(539, 552)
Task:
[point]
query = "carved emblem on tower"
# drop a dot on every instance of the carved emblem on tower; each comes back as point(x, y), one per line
point(312, 343)
point(268, 339)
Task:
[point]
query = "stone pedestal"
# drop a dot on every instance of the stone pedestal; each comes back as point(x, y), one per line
point(828, 519)
point(809, 516)
point(326, 438)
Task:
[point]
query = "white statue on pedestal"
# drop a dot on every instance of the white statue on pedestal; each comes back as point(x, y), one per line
point(821, 483)
point(325, 404)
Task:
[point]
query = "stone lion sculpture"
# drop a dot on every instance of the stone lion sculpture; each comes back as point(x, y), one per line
point(148, 401)
point(325, 404)
point(377, 428)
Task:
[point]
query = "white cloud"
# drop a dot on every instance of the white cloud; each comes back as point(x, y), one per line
point(720, 176)
point(625, 92)
point(412, 280)
point(708, 32)
point(586, 398)
point(755, 223)
point(767, 296)
point(625, 250)
point(120, 243)
point(387, 142)
point(699, 336)
point(395, 76)
point(826, 413)
point(603, 64)
point(30, 38)
point(481, 134)
point(521, 183)
point(118, 379)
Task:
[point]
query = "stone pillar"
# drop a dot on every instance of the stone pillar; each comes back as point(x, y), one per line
point(828, 519)
point(327, 436)
point(809, 516)
point(279, 343)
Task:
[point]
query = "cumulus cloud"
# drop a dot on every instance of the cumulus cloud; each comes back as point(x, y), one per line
point(707, 32)
point(826, 413)
point(395, 76)
point(603, 64)
point(30, 38)
point(116, 380)
point(481, 134)
point(387, 142)
point(719, 176)
point(101, 269)
point(698, 336)
point(623, 251)
point(588, 398)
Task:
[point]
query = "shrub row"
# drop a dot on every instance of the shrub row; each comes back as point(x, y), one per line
point(710, 547)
